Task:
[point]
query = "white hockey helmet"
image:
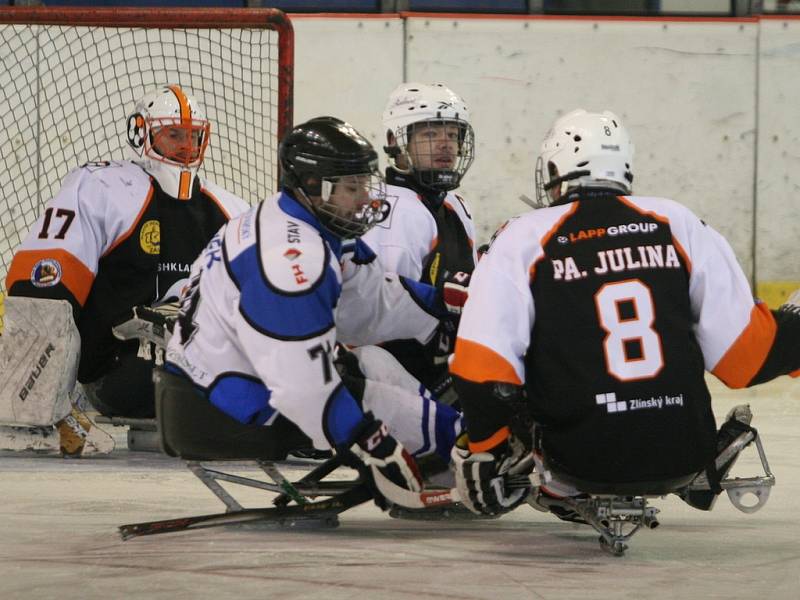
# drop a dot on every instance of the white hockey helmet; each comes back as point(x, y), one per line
point(420, 107)
point(169, 133)
point(585, 149)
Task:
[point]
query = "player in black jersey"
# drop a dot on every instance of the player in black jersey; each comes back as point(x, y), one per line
point(596, 317)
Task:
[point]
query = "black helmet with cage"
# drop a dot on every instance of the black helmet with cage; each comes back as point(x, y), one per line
point(333, 170)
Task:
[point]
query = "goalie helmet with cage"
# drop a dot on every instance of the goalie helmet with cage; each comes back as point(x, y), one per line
point(429, 134)
point(169, 133)
point(333, 170)
point(584, 150)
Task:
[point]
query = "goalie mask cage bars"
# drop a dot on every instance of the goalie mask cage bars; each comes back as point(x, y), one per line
point(70, 76)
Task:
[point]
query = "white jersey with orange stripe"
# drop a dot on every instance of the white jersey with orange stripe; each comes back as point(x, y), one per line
point(608, 310)
point(409, 233)
point(97, 207)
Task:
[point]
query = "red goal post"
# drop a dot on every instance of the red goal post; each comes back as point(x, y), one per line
point(70, 76)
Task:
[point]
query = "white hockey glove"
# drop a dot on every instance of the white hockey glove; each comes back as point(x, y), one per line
point(153, 328)
point(375, 448)
point(492, 483)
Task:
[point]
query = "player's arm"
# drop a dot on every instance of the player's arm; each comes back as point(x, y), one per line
point(58, 258)
point(492, 341)
point(488, 373)
point(744, 342)
point(376, 306)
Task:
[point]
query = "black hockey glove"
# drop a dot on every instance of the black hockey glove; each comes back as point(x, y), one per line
point(376, 450)
point(493, 482)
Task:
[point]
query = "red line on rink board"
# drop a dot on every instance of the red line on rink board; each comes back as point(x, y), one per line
point(510, 17)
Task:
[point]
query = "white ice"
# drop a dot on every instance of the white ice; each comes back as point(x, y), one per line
point(58, 538)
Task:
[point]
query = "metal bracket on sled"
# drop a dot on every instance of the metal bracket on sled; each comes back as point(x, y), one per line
point(739, 488)
point(610, 516)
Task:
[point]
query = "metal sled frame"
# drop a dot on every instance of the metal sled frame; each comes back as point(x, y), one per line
point(308, 487)
point(617, 518)
point(341, 495)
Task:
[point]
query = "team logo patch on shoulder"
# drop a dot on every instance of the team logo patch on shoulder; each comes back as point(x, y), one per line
point(292, 269)
point(150, 237)
point(46, 273)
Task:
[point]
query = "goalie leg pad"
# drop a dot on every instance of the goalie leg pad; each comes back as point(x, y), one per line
point(39, 354)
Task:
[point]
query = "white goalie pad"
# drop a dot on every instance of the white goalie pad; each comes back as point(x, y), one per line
point(39, 354)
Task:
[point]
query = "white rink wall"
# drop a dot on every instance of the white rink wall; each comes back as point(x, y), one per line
point(711, 104)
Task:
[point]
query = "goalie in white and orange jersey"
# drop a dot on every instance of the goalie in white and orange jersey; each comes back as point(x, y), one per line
point(119, 237)
point(596, 317)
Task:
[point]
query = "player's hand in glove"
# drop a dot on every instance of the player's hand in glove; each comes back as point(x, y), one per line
point(453, 288)
point(493, 482)
point(154, 325)
point(792, 304)
point(385, 457)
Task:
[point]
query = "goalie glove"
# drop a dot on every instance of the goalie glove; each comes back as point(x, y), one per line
point(376, 450)
point(493, 482)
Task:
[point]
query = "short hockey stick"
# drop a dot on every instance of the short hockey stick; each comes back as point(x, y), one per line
point(330, 507)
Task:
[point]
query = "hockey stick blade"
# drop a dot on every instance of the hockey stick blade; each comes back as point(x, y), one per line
point(408, 499)
point(278, 514)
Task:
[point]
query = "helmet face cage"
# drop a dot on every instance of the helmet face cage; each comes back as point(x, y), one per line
point(168, 134)
point(542, 197)
point(438, 152)
point(351, 204)
point(176, 141)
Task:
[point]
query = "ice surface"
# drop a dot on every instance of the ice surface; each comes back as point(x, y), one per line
point(58, 538)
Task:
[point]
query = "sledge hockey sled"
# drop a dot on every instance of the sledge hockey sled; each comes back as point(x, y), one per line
point(618, 511)
point(193, 429)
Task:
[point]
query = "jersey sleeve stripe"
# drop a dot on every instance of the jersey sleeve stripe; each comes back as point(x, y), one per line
point(744, 358)
point(216, 201)
point(135, 224)
point(75, 275)
point(478, 363)
point(498, 437)
point(683, 253)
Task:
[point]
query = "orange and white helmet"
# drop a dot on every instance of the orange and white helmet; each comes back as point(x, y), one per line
point(169, 133)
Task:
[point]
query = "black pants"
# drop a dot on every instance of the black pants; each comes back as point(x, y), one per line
point(126, 390)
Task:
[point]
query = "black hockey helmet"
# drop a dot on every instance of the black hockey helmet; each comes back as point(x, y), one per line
point(315, 155)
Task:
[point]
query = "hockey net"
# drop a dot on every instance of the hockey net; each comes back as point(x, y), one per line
point(70, 77)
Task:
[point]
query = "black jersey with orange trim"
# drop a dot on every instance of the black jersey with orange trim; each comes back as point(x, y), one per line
point(425, 235)
point(608, 310)
point(109, 240)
